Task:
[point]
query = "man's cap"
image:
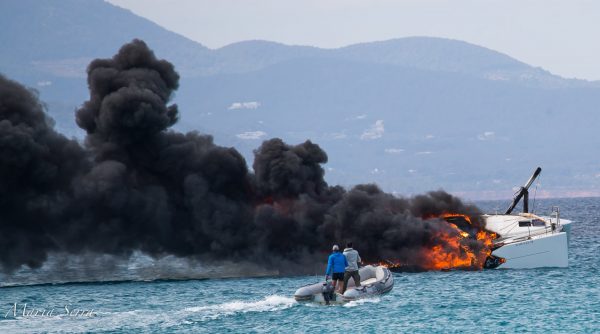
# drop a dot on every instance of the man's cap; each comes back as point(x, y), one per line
point(335, 248)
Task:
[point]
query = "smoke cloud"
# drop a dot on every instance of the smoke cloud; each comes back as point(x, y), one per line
point(136, 185)
point(37, 169)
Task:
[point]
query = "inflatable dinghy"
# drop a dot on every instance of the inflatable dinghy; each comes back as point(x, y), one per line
point(374, 281)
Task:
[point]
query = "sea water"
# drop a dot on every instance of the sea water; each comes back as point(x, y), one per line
point(549, 300)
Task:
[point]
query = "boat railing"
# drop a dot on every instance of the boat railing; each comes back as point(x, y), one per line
point(556, 214)
point(554, 221)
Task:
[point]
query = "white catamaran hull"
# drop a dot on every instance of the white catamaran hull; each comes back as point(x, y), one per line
point(550, 250)
point(527, 240)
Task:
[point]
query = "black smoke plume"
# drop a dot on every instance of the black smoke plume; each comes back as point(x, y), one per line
point(137, 185)
point(38, 167)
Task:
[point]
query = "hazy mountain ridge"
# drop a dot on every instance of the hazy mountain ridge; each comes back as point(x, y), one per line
point(65, 35)
point(425, 53)
point(50, 33)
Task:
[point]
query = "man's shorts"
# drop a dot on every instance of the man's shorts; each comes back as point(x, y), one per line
point(338, 276)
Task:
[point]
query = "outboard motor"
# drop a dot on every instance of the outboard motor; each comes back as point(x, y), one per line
point(493, 262)
point(328, 292)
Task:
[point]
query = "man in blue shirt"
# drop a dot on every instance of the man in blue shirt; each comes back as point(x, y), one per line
point(336, 265)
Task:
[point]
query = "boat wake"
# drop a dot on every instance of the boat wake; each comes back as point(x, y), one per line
point(359, 302)
point(267, 304)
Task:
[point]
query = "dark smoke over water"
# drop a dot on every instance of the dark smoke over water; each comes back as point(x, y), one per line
point(135, 185)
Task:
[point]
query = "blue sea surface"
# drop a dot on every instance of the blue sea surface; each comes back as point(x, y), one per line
point(549, 300)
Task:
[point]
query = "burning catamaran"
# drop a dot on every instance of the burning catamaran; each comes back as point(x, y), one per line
point(508, 240)
point(527, 240)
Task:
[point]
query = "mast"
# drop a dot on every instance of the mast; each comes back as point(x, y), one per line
point(524, 193)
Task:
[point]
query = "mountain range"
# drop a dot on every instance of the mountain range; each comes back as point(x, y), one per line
point(411, 114)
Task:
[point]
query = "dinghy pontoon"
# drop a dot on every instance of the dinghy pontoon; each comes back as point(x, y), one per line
point(374, 281)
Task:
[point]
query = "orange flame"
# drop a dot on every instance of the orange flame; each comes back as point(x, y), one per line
point(453, 248)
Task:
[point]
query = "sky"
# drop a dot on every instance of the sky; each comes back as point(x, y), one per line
point(559, 36)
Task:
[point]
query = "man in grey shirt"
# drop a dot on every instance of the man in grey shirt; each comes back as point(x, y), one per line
point(352, 268)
